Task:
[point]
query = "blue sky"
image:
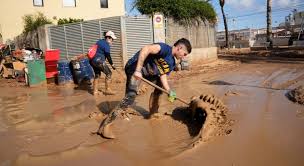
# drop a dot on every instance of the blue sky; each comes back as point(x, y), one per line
point(247, 13)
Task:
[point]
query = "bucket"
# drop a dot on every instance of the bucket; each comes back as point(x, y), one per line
point(82, 70)
point(64, 72)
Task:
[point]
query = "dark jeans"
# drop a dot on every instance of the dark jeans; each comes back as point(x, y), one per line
point(132, 86)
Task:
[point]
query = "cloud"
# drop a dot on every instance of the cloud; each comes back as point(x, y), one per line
point(285, 3)
point(240, 3)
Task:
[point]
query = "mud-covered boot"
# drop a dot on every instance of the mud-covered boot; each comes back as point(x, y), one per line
point(153, 105)
point(94, 89)
point(105, 128)
point(108, 91)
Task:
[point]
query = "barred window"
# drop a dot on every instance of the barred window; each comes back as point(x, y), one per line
point(104, 3)
point(38, 2)
point(69, 3)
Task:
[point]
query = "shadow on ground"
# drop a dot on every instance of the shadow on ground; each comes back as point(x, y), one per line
point(106, 106)
point(195, 124)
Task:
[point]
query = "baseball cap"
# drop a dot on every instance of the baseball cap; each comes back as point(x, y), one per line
point(111, 34)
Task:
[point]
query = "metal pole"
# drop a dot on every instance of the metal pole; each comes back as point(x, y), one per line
point(301, 27)
point(66, 44)
point(82, 43)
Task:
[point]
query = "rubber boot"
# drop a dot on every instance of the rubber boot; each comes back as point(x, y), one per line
point(105, 128)
point(108, 91)
point(95, 87)
point(153, 104)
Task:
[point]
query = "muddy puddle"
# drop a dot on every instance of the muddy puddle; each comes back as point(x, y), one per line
point(50, 126)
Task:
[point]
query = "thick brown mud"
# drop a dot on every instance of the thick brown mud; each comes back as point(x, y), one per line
point(297, 95)
point(50, 125)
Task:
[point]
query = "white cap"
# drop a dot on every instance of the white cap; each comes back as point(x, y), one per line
point(111, 34)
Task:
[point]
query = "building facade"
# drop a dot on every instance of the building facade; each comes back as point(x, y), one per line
point(12, 11)
point(244, 38)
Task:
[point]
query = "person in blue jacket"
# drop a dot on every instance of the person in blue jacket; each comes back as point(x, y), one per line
point(153, 62)
point(99, 62)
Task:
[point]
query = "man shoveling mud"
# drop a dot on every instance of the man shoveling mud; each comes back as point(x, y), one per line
point(153, 62)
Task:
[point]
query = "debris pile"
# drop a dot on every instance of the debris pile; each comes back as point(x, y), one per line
point(13, 62)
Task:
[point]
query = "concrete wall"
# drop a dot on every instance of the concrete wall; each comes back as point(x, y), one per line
point(43, 37)
point(28, 40)
point(200, 36)
point(200, 56)
point(12, 11)
point(280, 41)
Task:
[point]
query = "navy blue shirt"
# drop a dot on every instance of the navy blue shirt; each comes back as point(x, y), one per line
point(103, 51)
point(155, 64)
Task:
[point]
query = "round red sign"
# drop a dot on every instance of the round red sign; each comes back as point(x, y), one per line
point(158, 19)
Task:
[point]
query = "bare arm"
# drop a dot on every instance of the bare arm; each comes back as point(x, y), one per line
point(145, 51)
point(143, 54)
point(164, 81)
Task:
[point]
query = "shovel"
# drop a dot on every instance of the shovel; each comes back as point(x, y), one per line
point(163, 90)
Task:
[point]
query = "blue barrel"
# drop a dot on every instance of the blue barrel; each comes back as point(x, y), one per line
point(82, 70)
point(64, 72)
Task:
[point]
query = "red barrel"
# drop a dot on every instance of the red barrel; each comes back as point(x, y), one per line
point(51, 59)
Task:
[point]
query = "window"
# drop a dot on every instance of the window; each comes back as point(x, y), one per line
point(104, 3)
point(38, 2)
point(69, 3)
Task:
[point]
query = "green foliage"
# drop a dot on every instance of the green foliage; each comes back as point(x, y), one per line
point(183, 11)
point(33, 21)
point(62, 21)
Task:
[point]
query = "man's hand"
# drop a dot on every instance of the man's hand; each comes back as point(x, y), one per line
point(172, 96)
point(113, 67)
point(137, 75)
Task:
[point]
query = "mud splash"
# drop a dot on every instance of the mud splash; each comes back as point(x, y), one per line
point(212, 113)
point(297, 95)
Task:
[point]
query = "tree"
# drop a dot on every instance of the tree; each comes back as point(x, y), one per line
point(269, 20)
point(62, 21)
point(184, 12)
point(222, 3)
point(32, 22)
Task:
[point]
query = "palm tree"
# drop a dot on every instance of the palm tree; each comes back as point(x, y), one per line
point(269, 29)
point(222, 3)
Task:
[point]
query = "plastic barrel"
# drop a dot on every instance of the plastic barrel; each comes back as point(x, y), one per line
point(64, 72)
point(82, 70)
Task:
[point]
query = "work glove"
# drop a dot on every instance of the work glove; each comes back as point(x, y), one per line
point(172, 96)
point(113, 67)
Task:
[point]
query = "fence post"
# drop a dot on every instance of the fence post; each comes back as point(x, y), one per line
point(100, 30)
point(66, 44)
point(123, 34)
point(82, 43)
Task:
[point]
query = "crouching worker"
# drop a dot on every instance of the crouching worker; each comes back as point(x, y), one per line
point(99, 63)
point(153, 62)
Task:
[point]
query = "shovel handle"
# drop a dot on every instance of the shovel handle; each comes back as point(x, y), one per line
point(162, 89)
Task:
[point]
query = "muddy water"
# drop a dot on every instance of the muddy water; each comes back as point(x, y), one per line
point(50, 126)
